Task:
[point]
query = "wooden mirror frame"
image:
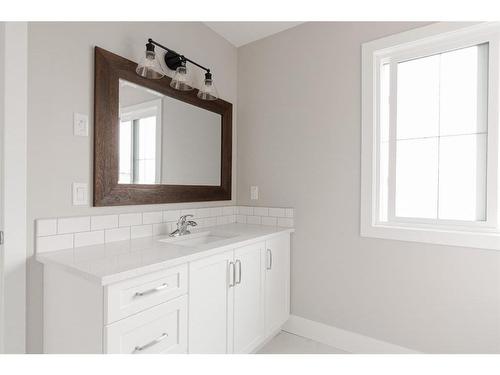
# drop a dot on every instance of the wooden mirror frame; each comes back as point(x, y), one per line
point(109, 68)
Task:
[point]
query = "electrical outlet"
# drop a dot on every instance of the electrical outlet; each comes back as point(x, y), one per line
point(80, 194)
point(254, 193)
point(80, 125)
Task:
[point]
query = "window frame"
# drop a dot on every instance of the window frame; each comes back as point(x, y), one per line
point(421, 42)
point(135, 112)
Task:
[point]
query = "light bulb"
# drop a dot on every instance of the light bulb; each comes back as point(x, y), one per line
point(208, 91)
point(181, 80)
point(149, 67)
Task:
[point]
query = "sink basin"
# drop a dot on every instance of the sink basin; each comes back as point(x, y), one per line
point(196, 239)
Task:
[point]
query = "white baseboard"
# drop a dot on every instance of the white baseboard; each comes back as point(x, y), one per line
point(341, 339)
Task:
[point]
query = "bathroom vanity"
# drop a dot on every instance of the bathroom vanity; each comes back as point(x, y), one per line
point(222, 289)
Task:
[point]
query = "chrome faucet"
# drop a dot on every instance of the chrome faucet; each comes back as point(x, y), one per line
point(182, 226)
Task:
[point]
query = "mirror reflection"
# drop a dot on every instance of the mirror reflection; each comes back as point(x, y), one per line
point(166, 141)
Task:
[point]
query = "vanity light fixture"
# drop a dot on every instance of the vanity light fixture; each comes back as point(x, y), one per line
point(150, 68)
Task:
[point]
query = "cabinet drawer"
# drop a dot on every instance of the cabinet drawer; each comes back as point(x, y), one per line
point(132, 296)
point(161, 329)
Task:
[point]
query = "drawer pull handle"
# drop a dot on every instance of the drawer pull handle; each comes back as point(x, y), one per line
point(231, 276)
point(150, 344)
point(238, 262)
point(270, 259)
point(146, 292)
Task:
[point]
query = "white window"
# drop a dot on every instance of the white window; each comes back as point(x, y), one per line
point(430, 136)
point(140, 143)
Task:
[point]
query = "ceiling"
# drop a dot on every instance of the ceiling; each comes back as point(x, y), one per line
point(241, 33)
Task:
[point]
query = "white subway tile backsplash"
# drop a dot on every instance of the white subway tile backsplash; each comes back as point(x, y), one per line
point(188, 211)
point(228, 210)
point(253, 219)
point(46, 227)
point(53, 243)
point(261, 211)
point(127, 220)
point(267, 220)
point(73, 224)
point(89, 238)
point(138, 231)
point(160, 229)
point(245, 210)
point(152, 217)
point(202, 212)
point(172, 215)
point(65, 233)
point(211, 221)
point(285, 222)
point(118, 234)
point(277, 212)
point(215, 211)
point(103, 222)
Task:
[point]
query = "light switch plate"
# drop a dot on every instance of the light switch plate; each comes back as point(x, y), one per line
point(80, 125)
point(254, 193)
point(80, 194)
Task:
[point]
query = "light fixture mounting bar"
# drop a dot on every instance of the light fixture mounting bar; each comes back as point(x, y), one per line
point(184, 58)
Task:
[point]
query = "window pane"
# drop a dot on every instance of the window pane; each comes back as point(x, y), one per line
point(385, 79)
point(418, 98)
point(384, 181)
point(125, 175)
point(463, 86)
point(145, 153)
point(384, 144)
point(147, 138)
point(462, 177)
point(417, 178)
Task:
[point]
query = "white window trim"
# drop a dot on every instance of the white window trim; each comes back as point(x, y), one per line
point(146, 109)
point(440, 36)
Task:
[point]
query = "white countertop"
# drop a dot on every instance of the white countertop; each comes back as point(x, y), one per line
point(116, 261)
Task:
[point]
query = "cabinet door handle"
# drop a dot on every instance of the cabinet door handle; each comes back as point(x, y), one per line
point(150, 344)
point(231, 277)
point(238, 262)
point(269, 251)
point(149, 291)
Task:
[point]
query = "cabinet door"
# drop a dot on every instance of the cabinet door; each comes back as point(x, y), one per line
point(211, 304)
point(249, 297)
point(161, 329)
point(277, 282)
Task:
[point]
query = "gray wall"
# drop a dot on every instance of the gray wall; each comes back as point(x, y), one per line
point(60, 82)
point(299, 140)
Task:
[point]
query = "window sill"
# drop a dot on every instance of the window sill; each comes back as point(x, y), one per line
point(480, 240)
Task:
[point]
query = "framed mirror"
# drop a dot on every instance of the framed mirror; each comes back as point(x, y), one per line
point(154, 144)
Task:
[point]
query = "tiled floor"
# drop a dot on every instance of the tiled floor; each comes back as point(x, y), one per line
point(287, 343)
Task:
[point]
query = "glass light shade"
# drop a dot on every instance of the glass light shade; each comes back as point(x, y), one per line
point(181, 81)
point(149, 67)
point(208, 91)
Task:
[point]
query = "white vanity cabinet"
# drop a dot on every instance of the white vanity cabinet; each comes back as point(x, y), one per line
point(277, 276)
point(145, 314)
point(240, 298)
point(248, 289)
point(227, 301)
point(211, 304)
